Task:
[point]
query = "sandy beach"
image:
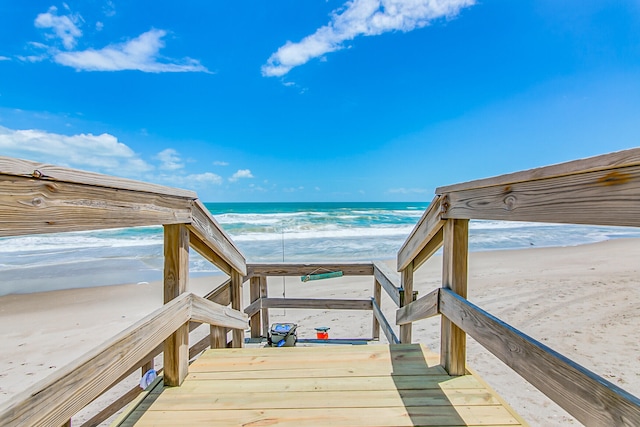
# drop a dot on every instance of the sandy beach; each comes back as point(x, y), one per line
point(582, 301)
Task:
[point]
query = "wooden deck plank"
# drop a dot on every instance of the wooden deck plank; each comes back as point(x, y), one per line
point(365, 417)
point(375, 385)
point(175, 401)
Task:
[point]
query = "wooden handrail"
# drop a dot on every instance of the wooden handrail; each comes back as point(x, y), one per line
point(425, 230)
point(389, 281)
point(585, 395)
point(308, 303)
point(58, 397)
point(423, 308)
point(384, 324)
point(302, 269)
point(615, 160)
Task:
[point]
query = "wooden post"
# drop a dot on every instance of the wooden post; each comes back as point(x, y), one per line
point(236, 304)
point(254, 295)
point(407, 298)
point(377, 296)
point(264, 293)
point(176, 275)
point(453, 344)
point(218, 337)
point(148, 365)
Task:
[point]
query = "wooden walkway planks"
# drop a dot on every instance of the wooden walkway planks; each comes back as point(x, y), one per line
point(375, 385)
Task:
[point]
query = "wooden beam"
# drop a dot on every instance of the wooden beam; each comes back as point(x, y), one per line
point(425, 307)
point(204, 225)
point(453, 342)
point(377, 297)
point(205, 311)
point(407, 287)
point(47, 172)
point(33, 206)
point(264, 293)
point(176, 276)
point(61, 395)
point(593, 400)
point(221, 295)
point(113, 408)
point(254, 295)
point(218, 337)
point(592, 164)
point(207, 253)
point(427, 227)
point(389, 280)
point(604, 197)
point(429, 250)
point(253, 308)
point(298, 269)
point(384, 324)
point(316, 303)
point(236, 304)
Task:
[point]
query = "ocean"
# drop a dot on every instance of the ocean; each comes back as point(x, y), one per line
point(264, 232)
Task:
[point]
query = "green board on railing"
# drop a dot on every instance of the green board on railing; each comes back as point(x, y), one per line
point(321, 276)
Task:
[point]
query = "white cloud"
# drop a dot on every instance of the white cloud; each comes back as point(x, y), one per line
point(99, 26)
point(109, 9)
point(407, 191)
point(203, 178)
point(241, 174)
point(220, 163)
point(64, 27)
point(4, 58)
point(100, 153)
point(360, 18)
point(141, 54)
point(169, 159)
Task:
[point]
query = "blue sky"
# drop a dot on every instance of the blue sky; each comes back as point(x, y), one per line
point(317, 100)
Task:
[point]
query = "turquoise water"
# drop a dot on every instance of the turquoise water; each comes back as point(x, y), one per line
point(264, 232)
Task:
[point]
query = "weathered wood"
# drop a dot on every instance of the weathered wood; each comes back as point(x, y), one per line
point(221, 295)
point(593, 400)
point(425, 307)
point(407, 288)
point(316, 303)
point(453, 341)
point(176, 276)
point(299, 269)
point(430, 223)
point(199, 347)
point(384, 324)
point(113, 408)
point(32, 206)
point(58, 397)
point(254, 295)
point(208, 253)
point(604, 162)
point(204, 225)
point(236, 304)
point(607, 197)
point(264, 293)
point(218, 337)
point(389, 280)
point(67, 424)
point(429, 250)
point(47, 172)
point(253, 308)
point(377, 297)
point(205, 311)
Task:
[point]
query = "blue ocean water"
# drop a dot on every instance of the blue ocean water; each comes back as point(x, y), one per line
point(264, 232)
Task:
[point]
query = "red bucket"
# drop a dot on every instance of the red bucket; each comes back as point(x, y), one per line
point(322, 333)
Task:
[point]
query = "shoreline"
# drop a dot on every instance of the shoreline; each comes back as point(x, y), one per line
point(583, 301)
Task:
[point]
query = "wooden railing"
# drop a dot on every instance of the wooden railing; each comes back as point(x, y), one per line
point(603, 190)
point(384, 278)
point(37, 198)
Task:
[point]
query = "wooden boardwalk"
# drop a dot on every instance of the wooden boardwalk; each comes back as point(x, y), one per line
point(367, 385)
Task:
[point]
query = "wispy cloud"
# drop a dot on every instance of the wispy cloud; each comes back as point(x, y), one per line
point(100, 153)
point(141, 53)
point(407, 191)
point(220, 163)
point(5, 58)
point(241, 174)
point(195, 181)
point(360, 18)
point(170, 160)
point(64, 27)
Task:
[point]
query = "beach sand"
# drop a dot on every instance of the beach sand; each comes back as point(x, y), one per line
point(582, 301)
